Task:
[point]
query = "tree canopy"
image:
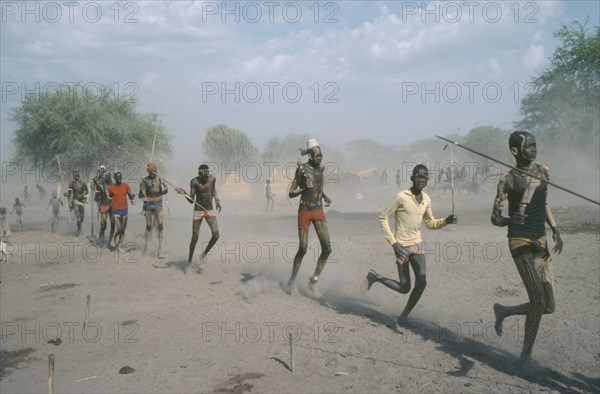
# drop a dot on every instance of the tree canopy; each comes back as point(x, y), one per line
point(284, 149)
point(83, 128)
point(563, 104)
point(223, 144)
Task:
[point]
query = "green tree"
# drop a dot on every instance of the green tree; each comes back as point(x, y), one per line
point(284, 149)
point(563, 105)
point(493, 141)
point(84, 128)
point(223, 144)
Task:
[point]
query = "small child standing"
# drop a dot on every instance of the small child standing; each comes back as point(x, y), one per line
point(55, 202)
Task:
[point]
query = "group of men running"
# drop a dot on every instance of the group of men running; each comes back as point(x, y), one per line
point(111, 198)
point(527, 214)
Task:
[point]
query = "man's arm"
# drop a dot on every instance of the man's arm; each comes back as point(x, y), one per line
point(295, 190)
point(432, 223)
point(214, 194)
point(558, 243)
point(384, 219)
point(141, 193)
point(328, 200)
point(501, 194)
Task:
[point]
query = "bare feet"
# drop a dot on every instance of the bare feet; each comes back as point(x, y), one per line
point(499, 313)
point(368, 281)
point(312, 286)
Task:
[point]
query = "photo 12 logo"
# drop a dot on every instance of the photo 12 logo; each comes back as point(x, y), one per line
point(70, 91)
point(69, 11)
point(270, 12)
point(453, 92)
point(270, 92)
point(470, 11)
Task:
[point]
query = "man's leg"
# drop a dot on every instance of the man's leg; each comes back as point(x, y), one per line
point(159, 219)
point(111, 217)
point(402, 285)
point(541, 298)
point(214, 230)
point(417, 262)
point(149, 215)
point(302, 247)
point(195, 234)
point(323, 234)
point(79, 212)
point(103, 217)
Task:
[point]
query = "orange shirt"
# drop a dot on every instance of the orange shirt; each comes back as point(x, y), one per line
point(119, 195)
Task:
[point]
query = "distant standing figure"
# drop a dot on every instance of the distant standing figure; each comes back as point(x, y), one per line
point(398, 176)
point(18, 207)
point(270, 195)
point(41, 191)
point(4, 225)
point(25, 195)
point(55, 203)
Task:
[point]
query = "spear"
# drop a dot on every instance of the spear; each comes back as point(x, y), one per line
point(519, 170)
point(187, 196)
point(451, 174)
point(62, 182)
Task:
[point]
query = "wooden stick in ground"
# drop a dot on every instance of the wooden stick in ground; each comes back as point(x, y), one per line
point(291, 352)
point(51, 374)
point(87, 311)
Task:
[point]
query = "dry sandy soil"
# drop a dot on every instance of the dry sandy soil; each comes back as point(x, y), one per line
point(227, 329)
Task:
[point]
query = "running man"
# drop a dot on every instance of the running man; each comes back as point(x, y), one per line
point(101, 184)
point(118, 193)
point(527, 214)
point(153, 188)
point(77, 194)
point(202, 193)
point(308, 184)
point(409, 207)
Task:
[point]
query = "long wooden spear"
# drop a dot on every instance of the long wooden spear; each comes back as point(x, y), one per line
point(519, 170)
point(187, 196)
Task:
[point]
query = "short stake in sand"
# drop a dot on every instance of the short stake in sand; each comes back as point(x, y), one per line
point(87, 311)
point(51, 374)
point(291, 352)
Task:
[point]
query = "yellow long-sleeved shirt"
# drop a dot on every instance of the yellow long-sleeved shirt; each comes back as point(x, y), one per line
point(408, 215)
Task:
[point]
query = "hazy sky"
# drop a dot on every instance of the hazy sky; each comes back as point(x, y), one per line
point(391, 71)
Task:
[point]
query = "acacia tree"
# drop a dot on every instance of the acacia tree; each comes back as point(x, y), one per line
point(563, 104)
point(82, 128)
point(284, 149)
point(223, 144)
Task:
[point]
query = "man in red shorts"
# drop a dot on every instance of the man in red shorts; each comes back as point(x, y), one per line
point(308, 184)
point(118, 192)
point(202, 193)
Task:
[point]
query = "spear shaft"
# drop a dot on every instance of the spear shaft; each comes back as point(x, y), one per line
point(519, 170)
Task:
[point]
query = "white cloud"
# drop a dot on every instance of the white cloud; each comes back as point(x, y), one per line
point(534, 56)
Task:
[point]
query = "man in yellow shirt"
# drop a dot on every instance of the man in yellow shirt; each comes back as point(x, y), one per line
point(410, 207)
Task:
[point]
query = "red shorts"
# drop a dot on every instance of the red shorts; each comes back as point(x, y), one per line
point(306, 217)
point(199, 215)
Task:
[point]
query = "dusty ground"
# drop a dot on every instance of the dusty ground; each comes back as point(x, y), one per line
point(226, 329)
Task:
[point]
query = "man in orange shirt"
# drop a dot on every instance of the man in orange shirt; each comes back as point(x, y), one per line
point(118, 192)
point(410, 207)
